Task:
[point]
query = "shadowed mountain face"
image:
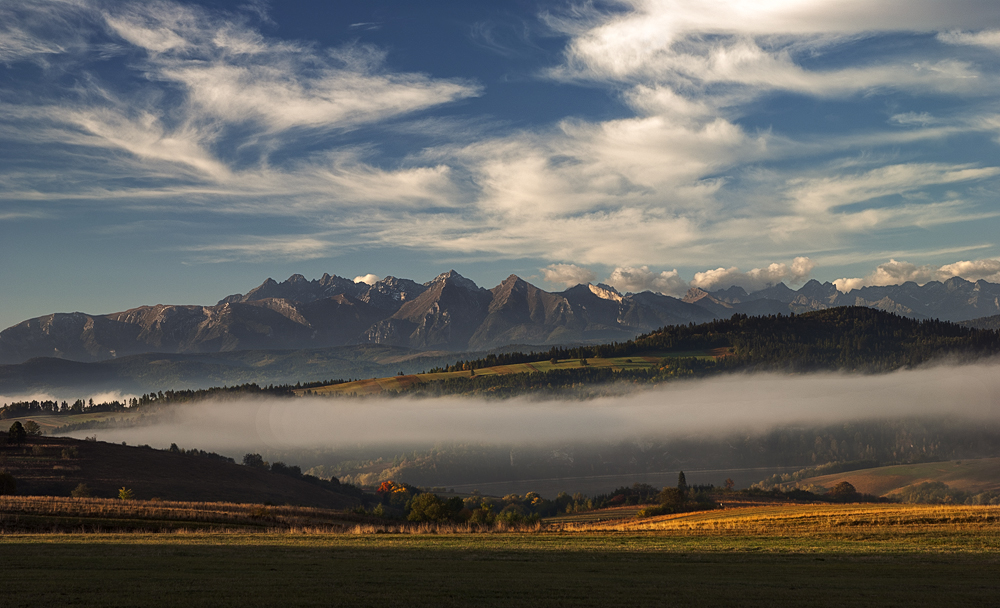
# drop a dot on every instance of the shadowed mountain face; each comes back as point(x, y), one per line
point(448, 313)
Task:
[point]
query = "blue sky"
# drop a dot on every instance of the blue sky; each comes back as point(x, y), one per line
point(177, 152)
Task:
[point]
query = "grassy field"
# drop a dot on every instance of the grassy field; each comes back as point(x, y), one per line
point(977, 475)
point(777, 555)
point(393, 383)
point(49, 423)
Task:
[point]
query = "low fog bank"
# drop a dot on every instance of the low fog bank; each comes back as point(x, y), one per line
point(715, 406)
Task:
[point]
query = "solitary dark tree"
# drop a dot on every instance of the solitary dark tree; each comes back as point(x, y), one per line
point(682, 484)
point(843, 492)
point(17, 434)
point(32, 429)
point(254, 460)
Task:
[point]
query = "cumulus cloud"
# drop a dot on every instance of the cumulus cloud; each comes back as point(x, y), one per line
point(367, 279)
point(567, 274)
point(896, 272)
point(987, 270)
point(638, 279)
point(755, 279)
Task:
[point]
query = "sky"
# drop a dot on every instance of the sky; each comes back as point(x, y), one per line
point(178, 152)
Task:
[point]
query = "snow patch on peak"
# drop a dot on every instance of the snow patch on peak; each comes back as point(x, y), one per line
point(605, 292)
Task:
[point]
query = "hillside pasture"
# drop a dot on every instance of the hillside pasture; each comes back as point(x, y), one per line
point(885, 523)
point(49, 423)
point(976, 475)
point(399, 383)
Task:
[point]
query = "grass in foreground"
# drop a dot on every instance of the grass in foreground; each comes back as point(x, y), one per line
point(845, 555)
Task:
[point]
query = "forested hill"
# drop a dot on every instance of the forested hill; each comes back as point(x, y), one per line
point(847, 338)
point(850, 338)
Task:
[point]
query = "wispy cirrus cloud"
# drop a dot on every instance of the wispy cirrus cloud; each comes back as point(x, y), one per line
point(987, 38)
point(697, 164)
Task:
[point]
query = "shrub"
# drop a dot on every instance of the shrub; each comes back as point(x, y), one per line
point(82, 490)
point(70, 452)
point(126, 494)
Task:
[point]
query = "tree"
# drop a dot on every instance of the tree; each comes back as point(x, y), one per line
point(427, 507)
point(81, 490)
point(671, 498)
point(254, 460)
point(126, 494)
point(17, 434)
point(32, 429)
point(682, 484)
point(843, 492)
point(730, 484)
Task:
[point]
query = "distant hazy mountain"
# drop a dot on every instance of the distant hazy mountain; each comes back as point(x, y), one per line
point(448, 313)
point(953, 300)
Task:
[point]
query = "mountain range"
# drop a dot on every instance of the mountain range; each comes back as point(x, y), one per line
point(448, 313)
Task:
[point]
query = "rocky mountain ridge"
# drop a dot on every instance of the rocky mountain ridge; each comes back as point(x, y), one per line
point(449, 312)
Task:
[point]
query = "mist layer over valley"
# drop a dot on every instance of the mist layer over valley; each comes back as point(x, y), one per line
point(735, 421)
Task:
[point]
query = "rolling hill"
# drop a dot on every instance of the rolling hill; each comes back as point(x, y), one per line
point(56, 465)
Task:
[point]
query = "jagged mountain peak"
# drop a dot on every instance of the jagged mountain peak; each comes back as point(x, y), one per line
point(453, 278)
point(450, 312)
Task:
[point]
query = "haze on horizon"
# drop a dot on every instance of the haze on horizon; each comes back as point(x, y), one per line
point(714, 407)
point(180, 151)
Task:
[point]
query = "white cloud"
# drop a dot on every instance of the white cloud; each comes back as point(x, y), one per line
point(367, 279)
point(987, 38)
point(225, 112)
point(987, 270)
point(567, 274)
point(236, 75)
point(639, 279)
point(755, 279)
point(909, 119)
point(728, 41)
point(812, 195)
point(291, 247)
point(896, 272)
